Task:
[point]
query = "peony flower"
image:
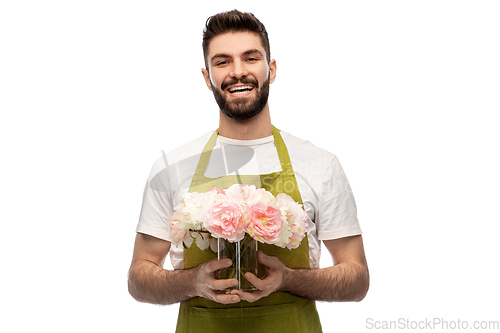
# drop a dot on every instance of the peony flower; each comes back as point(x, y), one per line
point(264, 196)
point(296, 219)
point(215, 189)
point(242, 193)
point(224, 219)
point(193, 207)
point(285, 235)
point(229, 213)
point(177, 234)
point(263, 221)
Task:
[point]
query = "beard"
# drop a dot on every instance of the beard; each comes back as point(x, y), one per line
point(244, 109)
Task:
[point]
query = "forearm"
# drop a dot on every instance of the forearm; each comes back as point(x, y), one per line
point(150, 283)
point(343, 282)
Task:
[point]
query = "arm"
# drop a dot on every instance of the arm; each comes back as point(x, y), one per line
point(347, 280)
point(148, 282)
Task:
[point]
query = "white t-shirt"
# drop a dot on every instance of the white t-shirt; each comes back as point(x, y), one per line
point(325, 191)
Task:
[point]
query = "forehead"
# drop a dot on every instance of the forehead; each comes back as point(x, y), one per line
point(235, 43)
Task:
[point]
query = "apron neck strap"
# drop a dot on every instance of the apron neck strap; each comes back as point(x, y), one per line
point(206, 153)
point(286, 165)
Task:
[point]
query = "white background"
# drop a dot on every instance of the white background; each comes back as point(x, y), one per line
point(404, 92)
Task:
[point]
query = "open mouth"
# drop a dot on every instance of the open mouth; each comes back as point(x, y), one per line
point(240, 90)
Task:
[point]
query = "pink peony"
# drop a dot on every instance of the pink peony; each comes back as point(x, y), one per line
point(263, 222)
point(225, 220)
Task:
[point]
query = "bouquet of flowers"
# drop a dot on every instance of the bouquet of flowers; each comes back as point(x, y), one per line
point(231, 213)
point(231, 222)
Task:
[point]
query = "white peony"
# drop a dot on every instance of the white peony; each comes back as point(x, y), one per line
point(193, 207)
point(242, 193)
point(264, 196)
point(296, 219)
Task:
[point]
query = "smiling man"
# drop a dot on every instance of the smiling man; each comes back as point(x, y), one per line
point(237, 72)
point(248, 149)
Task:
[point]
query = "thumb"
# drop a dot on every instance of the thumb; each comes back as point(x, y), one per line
point(271, 262)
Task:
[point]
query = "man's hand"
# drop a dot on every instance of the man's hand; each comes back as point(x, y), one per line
point(149, 282)
point(207, 286)
point(348, 280)
point(273, 281)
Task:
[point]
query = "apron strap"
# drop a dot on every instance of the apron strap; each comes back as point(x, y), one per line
point(290, 185)
point(284, 157)
point(206, 153)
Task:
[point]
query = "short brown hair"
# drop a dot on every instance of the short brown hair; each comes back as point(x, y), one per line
point(234, 21)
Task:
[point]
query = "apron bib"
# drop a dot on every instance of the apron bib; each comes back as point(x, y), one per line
point(278, 312)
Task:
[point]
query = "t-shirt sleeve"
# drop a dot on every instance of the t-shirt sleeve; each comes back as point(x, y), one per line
point(157, 206)
point(337, 216)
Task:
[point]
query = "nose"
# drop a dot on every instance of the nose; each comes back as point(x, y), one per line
point(239, 69)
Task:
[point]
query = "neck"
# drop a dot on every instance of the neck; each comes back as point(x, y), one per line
point(250, 129)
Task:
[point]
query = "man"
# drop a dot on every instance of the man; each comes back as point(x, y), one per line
point(239, 71)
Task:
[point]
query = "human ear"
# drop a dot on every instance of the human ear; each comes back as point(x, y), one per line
point(206, 76)
point(272, 71)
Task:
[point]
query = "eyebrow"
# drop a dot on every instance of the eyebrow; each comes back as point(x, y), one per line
point(248, 52)
point(253, 51)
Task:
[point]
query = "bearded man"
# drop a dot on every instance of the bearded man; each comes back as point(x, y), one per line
point(248, 149)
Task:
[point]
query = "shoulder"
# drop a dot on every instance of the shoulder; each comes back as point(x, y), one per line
point(305, 152)
point(187, 150)
point(183, 155)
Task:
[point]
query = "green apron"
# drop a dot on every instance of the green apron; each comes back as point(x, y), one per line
point(278, 312)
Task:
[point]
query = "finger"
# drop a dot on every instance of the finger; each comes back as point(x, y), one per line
point(223, 284)
point(267, 284)
point(227, 298)
point(249, 296)
point(215, 264)
point(257, 283)
point(268, 261)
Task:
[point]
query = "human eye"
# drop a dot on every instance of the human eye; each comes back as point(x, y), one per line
point(221, 62)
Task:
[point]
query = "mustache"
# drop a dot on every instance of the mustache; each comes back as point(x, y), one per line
point(243, 80)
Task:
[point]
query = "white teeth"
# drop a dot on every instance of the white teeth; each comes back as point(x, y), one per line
point(240, 88)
